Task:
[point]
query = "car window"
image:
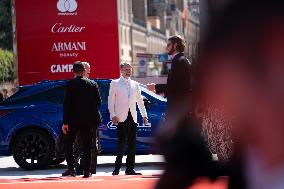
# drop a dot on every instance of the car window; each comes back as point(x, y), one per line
point(41, 96)
point(104, 91)
point(52, 95)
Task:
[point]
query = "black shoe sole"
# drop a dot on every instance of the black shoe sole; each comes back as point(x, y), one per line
point(70, 175)
point(87, 176)
point(133, 173)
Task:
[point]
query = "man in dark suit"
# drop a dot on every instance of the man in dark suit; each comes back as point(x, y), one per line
point(179, 77)
point(179, 138)
point(80, 114)
point(178, 87)
point(95, 140)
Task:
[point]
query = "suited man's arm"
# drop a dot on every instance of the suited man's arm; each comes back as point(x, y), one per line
point(97, 96)
point(140, 102)
point(66, 104)
point(111, 99)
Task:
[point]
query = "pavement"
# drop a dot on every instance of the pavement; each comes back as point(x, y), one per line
point(151, 167)
point(146, 164)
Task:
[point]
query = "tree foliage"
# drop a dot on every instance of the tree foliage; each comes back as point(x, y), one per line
point(6, 65)
point(6, 39)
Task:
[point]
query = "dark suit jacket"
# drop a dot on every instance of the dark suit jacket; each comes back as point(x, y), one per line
point(1, 97)
point(81, 102)
point(179, 80)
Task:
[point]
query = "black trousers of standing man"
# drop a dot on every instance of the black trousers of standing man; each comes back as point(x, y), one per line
point(126, 133)
point(86, 135)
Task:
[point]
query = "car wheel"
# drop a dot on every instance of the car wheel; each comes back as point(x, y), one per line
point(32, 149)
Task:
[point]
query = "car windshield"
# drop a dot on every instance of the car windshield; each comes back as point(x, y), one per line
point(144, 89)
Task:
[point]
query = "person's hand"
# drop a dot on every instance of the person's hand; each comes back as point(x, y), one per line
point(145, 120)
point(65, 128)
point(114, 120)
point(151, 87)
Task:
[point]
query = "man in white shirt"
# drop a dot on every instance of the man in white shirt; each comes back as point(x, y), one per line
point(124, 93)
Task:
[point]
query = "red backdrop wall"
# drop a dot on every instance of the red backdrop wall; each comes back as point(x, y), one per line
point(53, 34)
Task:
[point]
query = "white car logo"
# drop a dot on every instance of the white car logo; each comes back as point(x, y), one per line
point(67, 5)
point(110, 125)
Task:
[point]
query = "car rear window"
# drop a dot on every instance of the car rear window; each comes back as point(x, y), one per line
point(52, 95)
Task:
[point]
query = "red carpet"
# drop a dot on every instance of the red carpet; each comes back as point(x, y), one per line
point(98, 182)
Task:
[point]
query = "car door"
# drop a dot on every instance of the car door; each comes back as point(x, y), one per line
point(107, 131)
point(155, 107)
point(144, 132)
point(51, 108)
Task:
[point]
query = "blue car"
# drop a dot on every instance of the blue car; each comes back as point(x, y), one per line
point(31, 121)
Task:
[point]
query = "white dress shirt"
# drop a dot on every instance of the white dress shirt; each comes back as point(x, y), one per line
point(173, 56)
point(124, 94)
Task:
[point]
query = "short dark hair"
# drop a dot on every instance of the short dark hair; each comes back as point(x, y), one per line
point(176, 39)
point(78, 67)
point(124, 64)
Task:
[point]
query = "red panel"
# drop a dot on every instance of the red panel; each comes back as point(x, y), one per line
point(53, 34)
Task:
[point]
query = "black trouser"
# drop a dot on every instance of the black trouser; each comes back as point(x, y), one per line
point(126, 133)
point(94, 150)
point(86, 136)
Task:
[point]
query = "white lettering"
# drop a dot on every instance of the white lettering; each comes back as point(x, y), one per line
point(53, 68)
point(54, 47)
point(68, 54)
point(57, 68)
point(74, 47)
point(67, 13)
point(60, 28)
point(60, 46)
point(110, 125)
point(81, 45)
point(69, 46)
point(70, 68)
point(64, 68)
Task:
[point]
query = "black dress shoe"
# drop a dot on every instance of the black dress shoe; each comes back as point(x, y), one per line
point(87, 175)
point(131, 172)
point(69, 172)
point(116, 172)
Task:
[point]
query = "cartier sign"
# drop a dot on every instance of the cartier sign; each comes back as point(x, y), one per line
point(52, 35)
point(61, 28)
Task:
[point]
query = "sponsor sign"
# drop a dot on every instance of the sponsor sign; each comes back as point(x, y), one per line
point(52, 35)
